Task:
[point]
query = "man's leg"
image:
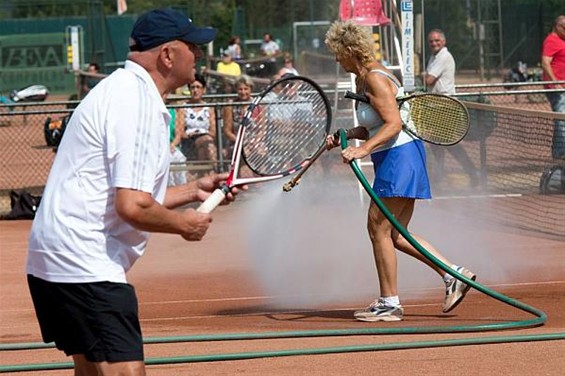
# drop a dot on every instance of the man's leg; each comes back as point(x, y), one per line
point(83, 367)
point(438, 168)
point(462, 157)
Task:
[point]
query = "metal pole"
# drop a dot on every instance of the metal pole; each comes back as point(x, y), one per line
point(500, 39)
point(219, 137)
point(480, 36)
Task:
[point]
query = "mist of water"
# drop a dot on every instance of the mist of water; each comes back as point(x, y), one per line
point(309, 247)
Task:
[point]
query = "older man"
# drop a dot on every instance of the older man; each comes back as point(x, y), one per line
point(440, 77)
point(553, 66)
point(106, 191)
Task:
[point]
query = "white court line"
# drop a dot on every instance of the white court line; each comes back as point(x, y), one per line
point(500, 195)
point(278, 312)
point(267, 297)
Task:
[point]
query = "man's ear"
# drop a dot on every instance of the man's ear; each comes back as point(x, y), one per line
point(166, 54)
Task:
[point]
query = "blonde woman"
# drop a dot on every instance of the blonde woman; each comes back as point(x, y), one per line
point(400, 171)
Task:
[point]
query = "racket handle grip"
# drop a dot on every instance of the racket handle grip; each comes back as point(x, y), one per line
point(214, 200)
point(356, 97)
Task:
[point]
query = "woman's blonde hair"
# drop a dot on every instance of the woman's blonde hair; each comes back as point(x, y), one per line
point(346, 38)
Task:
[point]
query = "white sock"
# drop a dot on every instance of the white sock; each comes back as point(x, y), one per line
point(392, 301)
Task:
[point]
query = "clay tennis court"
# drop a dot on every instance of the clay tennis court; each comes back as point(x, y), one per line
point(299, 262)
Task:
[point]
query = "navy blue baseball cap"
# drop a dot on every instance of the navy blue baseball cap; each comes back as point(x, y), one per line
point(164, 25)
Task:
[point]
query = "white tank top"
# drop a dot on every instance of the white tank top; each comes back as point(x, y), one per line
point(370, 119)
point(196, 122)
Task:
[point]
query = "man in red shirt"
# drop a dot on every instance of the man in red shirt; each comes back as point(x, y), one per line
point(553, 65)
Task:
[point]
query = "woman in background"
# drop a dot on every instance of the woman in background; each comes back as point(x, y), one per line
point(199, 136)
point(234, 48)
point(233, 115)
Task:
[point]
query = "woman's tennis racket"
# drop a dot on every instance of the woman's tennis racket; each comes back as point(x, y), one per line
point(359, 133)
point(434, 118)
point(281, 131)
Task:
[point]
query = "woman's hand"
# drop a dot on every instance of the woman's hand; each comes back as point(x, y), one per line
point(351, 152)
point(331, 141)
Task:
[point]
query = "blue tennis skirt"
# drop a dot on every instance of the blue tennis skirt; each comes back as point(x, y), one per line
point(401, 172)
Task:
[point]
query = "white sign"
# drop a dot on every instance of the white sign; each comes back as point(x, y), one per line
point(407, 44)
point(73, 47)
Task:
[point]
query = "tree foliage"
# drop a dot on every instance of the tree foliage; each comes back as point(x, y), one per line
point(251, 18)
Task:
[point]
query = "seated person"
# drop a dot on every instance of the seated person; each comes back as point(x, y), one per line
point(199, 136)
point(288, 66)
point(233, 115)
point(175, 136)
point(228, 66)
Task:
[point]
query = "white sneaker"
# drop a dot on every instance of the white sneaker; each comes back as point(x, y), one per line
point(379, 311)
point(455, 290)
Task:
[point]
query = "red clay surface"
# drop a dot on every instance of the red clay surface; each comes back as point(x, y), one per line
point(217, 286)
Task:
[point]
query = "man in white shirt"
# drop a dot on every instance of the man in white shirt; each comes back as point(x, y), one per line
point(107, 190)
point(270, 48)
point(440, 77)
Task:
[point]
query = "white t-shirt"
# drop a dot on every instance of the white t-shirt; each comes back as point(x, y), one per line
point(442, 66)
point(270, 48)
point(117, 137)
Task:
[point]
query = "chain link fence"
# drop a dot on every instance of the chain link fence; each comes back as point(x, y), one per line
point(26, 157)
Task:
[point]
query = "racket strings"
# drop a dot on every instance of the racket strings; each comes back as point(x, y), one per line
point(290, 128)
point(438, 119)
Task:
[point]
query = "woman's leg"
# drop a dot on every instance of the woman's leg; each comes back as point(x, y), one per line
point(380, 232)
point(400, 243)
point(205, 148)
point(455, 289)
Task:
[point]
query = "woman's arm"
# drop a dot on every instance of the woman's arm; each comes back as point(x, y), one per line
point(212, 131)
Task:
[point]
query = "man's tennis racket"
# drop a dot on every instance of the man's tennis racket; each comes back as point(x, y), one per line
point(434, 118)
point(281, 131)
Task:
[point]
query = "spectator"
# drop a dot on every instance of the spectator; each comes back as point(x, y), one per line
point(270, 48)
point(234, 48)
point(553, 66)
point(107, 190)
point(440, 76)
point(199, 125)
point(91, 79)
point(288, 66)
point(228, 69)
point(227, 66)
point(233, 115)
point(177, 157)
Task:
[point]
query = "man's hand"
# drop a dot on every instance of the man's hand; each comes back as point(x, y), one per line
point(208, 184)
point(194, 224)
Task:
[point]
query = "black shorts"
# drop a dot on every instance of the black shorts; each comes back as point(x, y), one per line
point(99, 320)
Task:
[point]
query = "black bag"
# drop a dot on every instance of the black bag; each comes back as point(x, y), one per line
point(553, 180)
point(23, 204)
point(54, 130)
